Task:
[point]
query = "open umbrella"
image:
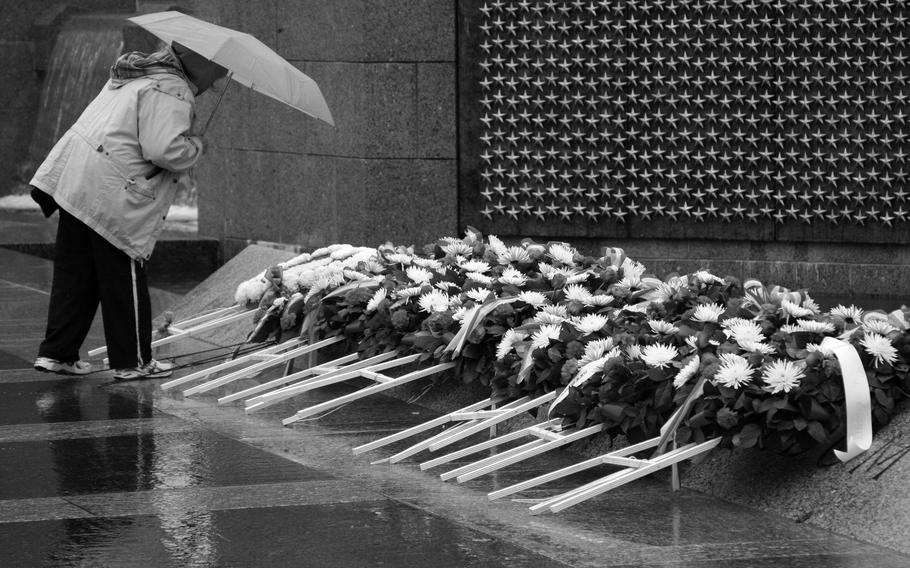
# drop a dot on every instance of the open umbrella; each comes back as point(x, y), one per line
point(249, 61)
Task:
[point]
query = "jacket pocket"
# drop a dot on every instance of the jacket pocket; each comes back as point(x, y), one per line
point(140, 189)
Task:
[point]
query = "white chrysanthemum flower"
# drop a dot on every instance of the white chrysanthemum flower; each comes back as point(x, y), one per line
point(730, 323)
point(428, 263)
point(562, 253)
point(373, 266)
point(556, 309)
point(479, 278)
point(600, 300)
point(849, 315)
point(513, 254)
point(475, 266)
point(879, 347)
point(496, 245)
point(782, 376)
point(356, 275)
point(545, 317)
point(632, 271)
point(756, 347)
point(377, 299)
point(687, 372)
point(789, 328)
point(708, 312)
point(457, 247)
point(589, 369)
point(589, 323)
point(813, 326)
point(639, 308)
point(419, 275)
point(633, 351)
point(661, 326)
point(659, 355)
point(479, 295)
point(542, 337)
point(743, 330)
point(573, 277)
point(459, 313)
point(818, 348)
point(445, 285)
point(596, 349)
point(546, 270)
point(880, 326)
point(734, 371)
point(692, 341)
point(532, 298)
point(508, 341)
point(811, 304)
point(434, 301)
point(577, 293)
point(793, 309)
point(399, 258)
point(513, 276)
point(706, 277)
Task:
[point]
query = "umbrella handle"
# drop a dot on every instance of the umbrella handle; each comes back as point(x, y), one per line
point(217, 104)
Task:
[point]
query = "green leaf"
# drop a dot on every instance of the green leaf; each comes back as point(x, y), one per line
point(614, 412)
point(818, 432)
point(748, 436)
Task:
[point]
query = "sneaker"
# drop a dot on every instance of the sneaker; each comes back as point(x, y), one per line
point(151, 370)
point(48, 365)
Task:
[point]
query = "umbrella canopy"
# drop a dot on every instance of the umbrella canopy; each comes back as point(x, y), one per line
point(250, 62)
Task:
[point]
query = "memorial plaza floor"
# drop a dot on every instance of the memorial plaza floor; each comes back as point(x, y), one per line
point(95, 472)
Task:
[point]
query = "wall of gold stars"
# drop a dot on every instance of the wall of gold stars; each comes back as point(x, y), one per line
point(753, 118)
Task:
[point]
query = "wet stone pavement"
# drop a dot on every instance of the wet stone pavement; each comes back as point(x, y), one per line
point(99, 473)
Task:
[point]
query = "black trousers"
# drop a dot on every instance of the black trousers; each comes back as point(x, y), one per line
point(88, 270)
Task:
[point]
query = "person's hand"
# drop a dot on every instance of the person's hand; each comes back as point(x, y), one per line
point(199, 142)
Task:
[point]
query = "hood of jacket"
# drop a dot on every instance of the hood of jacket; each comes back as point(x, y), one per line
point(136, 64)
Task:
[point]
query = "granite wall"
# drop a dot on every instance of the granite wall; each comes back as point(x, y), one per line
point(386, 171)
point(27, 31)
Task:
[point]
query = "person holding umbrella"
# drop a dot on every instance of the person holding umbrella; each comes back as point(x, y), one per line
point(113, 176)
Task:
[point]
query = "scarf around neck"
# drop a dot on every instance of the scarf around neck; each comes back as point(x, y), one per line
point(135, 64)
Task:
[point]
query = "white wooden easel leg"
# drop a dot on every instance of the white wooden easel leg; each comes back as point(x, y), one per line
point(289, 344)
point(186, 332)
point(328, 366)
point(429, 425)
point(271, 361)
point(548, 445)
point(339, 375)
point(575, 468)
point(506, 411)
point(585, 492)
point(479, 447)
point(382, 386)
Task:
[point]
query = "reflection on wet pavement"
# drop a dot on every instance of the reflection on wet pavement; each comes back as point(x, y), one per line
point(382, 533)
point(67, 400)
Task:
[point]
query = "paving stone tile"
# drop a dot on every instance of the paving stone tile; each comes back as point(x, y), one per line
point(138, 462)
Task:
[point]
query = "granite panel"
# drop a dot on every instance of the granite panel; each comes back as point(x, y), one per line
point(247, 185)
point(405, 201)
point(368, 30)
point(308, 206)
point(261, 18)
point(828, 277)
point(437, 119)
point(879, 279)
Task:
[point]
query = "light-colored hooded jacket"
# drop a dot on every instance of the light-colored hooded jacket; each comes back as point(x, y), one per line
point(120, 166)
